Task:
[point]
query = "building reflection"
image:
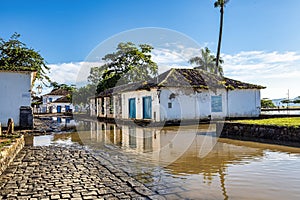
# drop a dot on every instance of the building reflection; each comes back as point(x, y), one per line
point(188, 150)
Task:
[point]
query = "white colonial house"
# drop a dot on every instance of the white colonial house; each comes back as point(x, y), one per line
point(180, 94)
point(57, 101)
point(15, 89)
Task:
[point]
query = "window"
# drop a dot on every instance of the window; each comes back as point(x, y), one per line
point(50, 99)
point(216, 103)
point(169, 105)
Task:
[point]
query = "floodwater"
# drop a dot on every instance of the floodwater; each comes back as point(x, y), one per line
point(190, 162)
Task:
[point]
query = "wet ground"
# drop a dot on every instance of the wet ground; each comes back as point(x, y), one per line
point(186, 162)
point(53, 172)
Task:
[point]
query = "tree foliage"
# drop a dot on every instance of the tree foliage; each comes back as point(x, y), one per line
point(267, 103)
point(96, 75)
point(55, 85)
point(130, 63)
point(81, 95)
point(15, 55)
point(297, 100)
point(206, 61)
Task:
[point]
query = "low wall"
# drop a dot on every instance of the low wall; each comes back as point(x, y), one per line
point(8, 153)
point(273, 134)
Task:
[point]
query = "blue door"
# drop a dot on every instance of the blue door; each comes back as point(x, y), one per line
point(147, 107)
point(67, 108)
point(132, 109)
point(58, 109)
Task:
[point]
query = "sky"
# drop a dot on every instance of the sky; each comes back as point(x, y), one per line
point(260, 44)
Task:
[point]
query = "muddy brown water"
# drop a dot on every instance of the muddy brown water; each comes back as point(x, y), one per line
point(190, 162)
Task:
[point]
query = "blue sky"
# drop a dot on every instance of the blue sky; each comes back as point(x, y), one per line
point(256, 33)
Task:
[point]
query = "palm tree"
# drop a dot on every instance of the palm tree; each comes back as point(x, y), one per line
point(220, 4)
point(207, 62)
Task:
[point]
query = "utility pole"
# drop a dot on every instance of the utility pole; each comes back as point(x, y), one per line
point(288, 99)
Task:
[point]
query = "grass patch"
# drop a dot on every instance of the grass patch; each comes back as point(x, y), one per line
point(6, 140)
point(288, 122)
point(5, 143)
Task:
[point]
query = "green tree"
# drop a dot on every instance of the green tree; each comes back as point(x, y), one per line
point(15, 55)
point(267, 103)
point(128, 64)
point(297, 100)
point(206, 61)
point(81, 95)
point(286, 101)
point(220, 4)
point(55, 85)
point(96, 75)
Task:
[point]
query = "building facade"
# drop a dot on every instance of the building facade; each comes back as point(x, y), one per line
point(15, 88)
point(181, 94)
point(57, 101)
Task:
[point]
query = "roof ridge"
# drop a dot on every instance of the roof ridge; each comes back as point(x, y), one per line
point(169, 74)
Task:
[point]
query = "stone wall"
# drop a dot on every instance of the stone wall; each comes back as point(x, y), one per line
point(8, 153)
point(277, 134)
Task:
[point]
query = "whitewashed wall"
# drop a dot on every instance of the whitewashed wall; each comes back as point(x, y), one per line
point(189, 104)
point(223, 94)
point(139, 103)
point(244, 103)
point(47, 102)
point(93, 111)
point(15, 90)
point(63, 107)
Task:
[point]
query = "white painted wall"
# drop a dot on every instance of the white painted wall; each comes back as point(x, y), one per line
point(47, 101)
point(93, 110)
point(189, 104)
point(63, 107)
point(244, 103)
point(15, 90)
point(223, 94)
point(138, 95)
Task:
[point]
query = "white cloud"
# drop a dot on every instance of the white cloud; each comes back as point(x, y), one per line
point(278, 71)
point(71, 73)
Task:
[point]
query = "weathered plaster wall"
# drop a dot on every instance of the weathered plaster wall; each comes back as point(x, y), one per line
point(47, 104)
point(244, 103)
point(15, 89)
point(188, 104)
point(138, 95)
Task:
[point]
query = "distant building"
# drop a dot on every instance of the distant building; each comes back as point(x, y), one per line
point(15, 89)
point(57, 101)
point(180, 94)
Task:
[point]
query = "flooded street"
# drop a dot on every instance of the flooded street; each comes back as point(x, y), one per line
point(189, 162)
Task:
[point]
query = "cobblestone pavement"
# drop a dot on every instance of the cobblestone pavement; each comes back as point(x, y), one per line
point(55, 172)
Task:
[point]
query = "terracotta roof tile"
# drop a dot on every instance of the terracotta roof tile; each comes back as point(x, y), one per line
point(181, 77)
point(59, 92)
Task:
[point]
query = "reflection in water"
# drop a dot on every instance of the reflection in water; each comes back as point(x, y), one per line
point(192, 163)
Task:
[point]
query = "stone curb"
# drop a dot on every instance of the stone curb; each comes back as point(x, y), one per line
point(8, 153)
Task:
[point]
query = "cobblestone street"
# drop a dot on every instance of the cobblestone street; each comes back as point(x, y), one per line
point(54, 172)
